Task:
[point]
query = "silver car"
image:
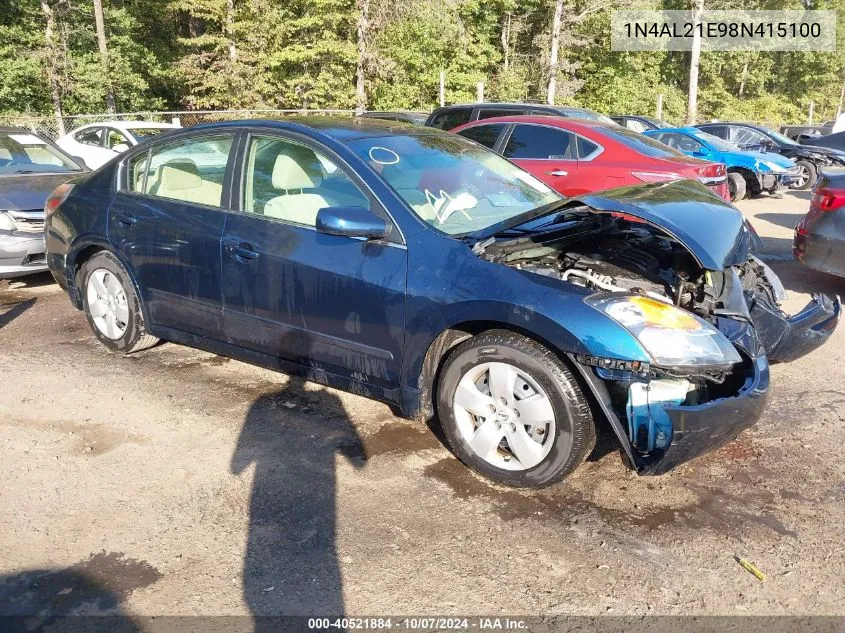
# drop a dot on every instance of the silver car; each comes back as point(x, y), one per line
point(31, 167)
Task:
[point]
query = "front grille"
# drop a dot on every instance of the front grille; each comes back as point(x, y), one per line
point(28, 221)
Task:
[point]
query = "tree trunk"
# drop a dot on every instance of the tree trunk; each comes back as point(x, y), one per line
point(841, 100)
point(695, 60)
point(506, 40)
point(361, 67)
point(51, 54)
point(104, 53)
point(743, 78)
point(230, 30)
point(553, 53)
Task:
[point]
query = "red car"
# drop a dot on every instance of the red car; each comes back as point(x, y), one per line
point(575, 156)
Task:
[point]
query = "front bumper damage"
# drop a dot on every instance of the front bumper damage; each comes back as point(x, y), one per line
point(691, 429)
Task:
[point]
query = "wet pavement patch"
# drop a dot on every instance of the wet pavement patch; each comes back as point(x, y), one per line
point(98, 584)
point(399, 437)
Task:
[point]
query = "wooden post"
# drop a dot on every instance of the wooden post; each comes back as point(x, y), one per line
point(442, 88)
point(810, 118)
point(479, 92)
point(660, 106)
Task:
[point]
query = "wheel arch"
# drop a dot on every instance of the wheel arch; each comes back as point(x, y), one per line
point(449, 338)
point(84, 250)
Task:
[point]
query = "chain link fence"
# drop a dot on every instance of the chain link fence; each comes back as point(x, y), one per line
point(52, 128)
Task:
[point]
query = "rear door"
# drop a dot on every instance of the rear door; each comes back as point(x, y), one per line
point(549, 153)
point(334, 304)
point(167, 221)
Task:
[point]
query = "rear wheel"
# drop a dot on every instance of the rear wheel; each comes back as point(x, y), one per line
point(736, 186)
point(512, 411)
point(112, 305)
point(807, 175)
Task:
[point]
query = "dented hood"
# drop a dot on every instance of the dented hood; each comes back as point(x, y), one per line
point(713, 230)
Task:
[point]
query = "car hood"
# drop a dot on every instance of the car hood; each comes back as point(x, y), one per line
point(29, 191)
point(713, 230)
point(771, 157)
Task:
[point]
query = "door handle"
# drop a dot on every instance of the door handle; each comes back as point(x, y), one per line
point(557, 172)
point(124, 218)
point(241, 251)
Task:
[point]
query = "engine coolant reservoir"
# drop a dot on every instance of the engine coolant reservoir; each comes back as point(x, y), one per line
point(649, 425)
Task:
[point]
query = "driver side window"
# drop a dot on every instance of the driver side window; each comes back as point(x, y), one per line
point(292, 182)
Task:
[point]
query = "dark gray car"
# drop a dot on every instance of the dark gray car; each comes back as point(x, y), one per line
point(820, 236)
point(31, 167)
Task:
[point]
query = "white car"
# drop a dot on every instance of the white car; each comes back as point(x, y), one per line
point(97, 143)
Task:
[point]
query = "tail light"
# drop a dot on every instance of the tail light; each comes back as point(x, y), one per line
point(656, 176)
point(56, 198)
point(712, 173)
point(828, 199)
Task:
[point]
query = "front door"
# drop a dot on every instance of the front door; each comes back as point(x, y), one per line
point(547, 152)
point(167, 222)
point(334, 304)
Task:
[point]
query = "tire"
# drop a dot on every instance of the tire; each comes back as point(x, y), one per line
point(562, 443)
point(809, 175)
point(112, 306)
point(736, 186)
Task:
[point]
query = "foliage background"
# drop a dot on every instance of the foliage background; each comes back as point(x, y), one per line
point(175, 54)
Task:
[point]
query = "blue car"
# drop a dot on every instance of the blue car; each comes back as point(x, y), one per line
point(749, 172)
point(419, 268)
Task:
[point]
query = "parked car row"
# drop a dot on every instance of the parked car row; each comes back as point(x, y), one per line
point(420, 268)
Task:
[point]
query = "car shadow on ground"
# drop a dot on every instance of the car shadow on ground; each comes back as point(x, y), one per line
point(292, 438)
point(11, 311)
point(35, 280)
point(786, 220)
point(798, 278)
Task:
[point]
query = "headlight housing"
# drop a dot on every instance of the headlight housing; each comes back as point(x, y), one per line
point(6, 222)
point(672, 337)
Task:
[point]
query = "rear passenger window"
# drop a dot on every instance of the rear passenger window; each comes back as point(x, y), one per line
point(91, 136)
point(452, 118)
point(487, 113)
point(485, 135)
point(586, 149)
point(191, 170)
point(540, 142)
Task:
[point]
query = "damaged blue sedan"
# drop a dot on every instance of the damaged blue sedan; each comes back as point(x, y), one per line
point(420, 269)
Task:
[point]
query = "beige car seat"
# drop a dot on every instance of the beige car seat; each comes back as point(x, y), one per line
point(180, 179)
point(294, 173)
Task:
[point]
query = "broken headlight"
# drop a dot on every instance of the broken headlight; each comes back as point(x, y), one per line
point(672, 337)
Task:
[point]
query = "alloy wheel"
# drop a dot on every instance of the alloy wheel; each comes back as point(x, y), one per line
point(107, 303)
point(803, 177)
point(505, 417)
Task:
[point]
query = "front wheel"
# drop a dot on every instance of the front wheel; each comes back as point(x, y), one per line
point(736, 186)
point(112, 305)
point(807, 175)
point(512, 411)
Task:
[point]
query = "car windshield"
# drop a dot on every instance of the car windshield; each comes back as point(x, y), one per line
point(716, 142)
point(144, 132)
point(452, 183)
point(780, 138)
point(640, 142)
point(26, 153)
point(590, 115)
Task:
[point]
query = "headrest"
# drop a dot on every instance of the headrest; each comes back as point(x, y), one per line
point(301, 172)
point(179, 174)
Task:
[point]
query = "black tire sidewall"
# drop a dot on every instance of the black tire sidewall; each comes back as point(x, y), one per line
point(812, 175)
point(571, 430)
point(736, 182)
point(134, 328)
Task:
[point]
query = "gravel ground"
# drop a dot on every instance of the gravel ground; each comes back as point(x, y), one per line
point(179, 482)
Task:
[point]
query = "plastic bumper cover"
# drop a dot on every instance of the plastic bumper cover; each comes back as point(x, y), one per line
point(21, 254)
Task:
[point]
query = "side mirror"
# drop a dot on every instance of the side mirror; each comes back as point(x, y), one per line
point(352, 222)
point(81, 162)
point(120, 147)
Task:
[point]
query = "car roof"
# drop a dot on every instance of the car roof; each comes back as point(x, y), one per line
point(337, 128)
point(683, 130)
point(17, 130)
point(570, 123)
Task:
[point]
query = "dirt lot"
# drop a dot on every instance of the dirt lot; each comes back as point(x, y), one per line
point(186, 483)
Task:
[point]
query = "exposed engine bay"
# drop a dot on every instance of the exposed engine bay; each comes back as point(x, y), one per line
point(614, 253)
